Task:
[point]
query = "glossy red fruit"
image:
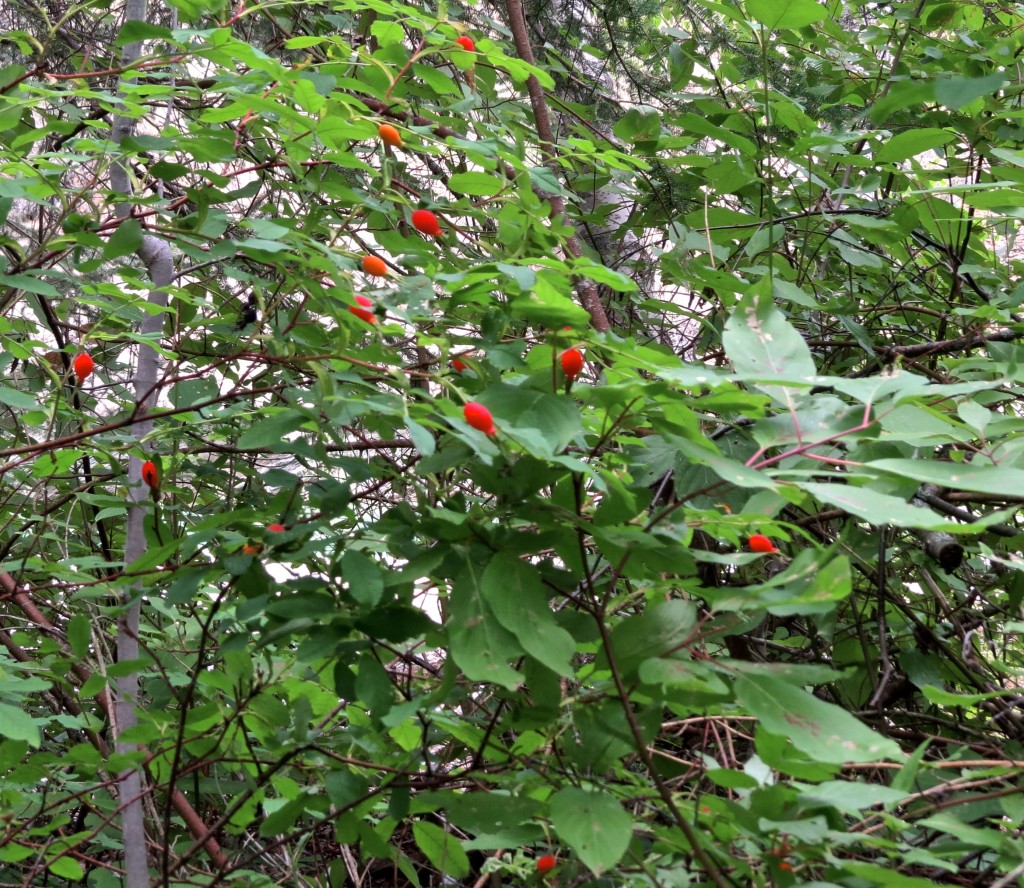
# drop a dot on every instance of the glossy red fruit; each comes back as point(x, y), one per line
point(467, 43)
point(426, 222)
point(546, 863)
point(364, 313)
point(572, 362)
point(458, 365)
point(276, 528)
point(150, 474)
point(84, 365)
point(479, 417)
point(758, 542)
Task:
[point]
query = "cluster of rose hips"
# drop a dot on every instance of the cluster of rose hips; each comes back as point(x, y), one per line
point(423, 220)
point(83, 365)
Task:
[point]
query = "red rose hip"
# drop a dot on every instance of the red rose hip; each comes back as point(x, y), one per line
point(364, 311)
point(546, 863)
point(758, 542)
point(84, 365)
point(374, 265)
point(572, 362)
point(426, 222)
point(479, 417)
point(389, 135)
point(150, 474)
point(467, 43)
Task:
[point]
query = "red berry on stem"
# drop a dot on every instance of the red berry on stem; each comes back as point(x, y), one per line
point(366, 312)
point(572, 362)
point(276, 528)
point(83, 365)
point(479, 417)
point(458, 365)
point(546, 863)
point(150, 474)
point(467, 43)
point(758, 542)
point(389, 135)
point(426, 222)
point(375, 265)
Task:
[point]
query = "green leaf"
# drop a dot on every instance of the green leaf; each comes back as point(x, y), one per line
point(848, 796)
point(948, 698)
point(125, 241)
point(825, 732)
point(884, 876)
point(602, 275)
point(546, 304)
point(554, 419)
point(18, 400)
point(881, 508)
point(18, 725)
point(692, 677)
point(422, 438)
point(30, 283)
point(952, 825)
point(489, 811)
point(959, 476)
point(271, 431)
point(193, 10)
point(593, 824)
point(387, 31)
point(717, 216)
point(519, 70)
point(441, 848)
point(763, 345)
point(523, 276)
point(67, 868)
point(363, 577)
point(477, 184)
point(80, 635)
point(778, 14)
point(514, 591)
point(659, 629)
point(638, 125)
point(345, 787)
point(373, 685)
point(280, 817)
point(912, 143)
point(955, 92)
point(907, 777)
point(730, 470)
point(255, 246)
point(480, 645)
point(806, 586)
